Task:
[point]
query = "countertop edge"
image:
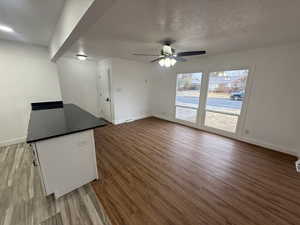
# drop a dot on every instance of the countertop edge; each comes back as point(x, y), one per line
point(64, 134)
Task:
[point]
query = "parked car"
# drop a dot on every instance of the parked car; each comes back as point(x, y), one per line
point(238, 96)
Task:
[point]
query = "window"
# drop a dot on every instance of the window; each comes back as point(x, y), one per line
point(225, 96)
point(188, 96)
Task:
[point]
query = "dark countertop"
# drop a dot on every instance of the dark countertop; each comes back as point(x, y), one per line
point(50, 123)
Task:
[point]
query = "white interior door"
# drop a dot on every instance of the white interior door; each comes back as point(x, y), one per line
point(105, 93)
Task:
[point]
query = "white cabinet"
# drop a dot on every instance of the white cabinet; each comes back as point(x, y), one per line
point(67, 162)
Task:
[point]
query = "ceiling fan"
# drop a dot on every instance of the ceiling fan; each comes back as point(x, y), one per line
point(168, 56)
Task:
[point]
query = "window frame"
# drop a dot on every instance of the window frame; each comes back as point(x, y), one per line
point(201, 111)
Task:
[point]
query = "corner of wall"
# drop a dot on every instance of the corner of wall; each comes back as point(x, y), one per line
point(127, 120)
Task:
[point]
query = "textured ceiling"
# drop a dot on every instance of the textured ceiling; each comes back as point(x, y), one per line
point(33, 20)
point(136, 26)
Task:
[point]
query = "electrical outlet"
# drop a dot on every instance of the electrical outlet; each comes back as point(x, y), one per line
point(298, 166)
point(247, 131)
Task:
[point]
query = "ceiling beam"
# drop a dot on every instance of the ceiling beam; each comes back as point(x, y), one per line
point(76, 18)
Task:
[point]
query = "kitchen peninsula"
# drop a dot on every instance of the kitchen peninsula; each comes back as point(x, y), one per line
point(62, 138)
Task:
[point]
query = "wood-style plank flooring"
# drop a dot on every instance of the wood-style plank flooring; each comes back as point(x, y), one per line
point(160, 173)
point(22, 200)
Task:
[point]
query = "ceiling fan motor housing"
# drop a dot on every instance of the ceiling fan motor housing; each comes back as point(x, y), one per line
point(167, 50)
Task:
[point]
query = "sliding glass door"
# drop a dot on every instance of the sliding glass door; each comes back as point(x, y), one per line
point(220, 107)
point(188, 97)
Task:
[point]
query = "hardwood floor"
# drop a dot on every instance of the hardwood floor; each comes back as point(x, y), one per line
point(22, 200)
point(160, 173)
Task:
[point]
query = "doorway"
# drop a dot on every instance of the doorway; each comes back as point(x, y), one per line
point(104, 87)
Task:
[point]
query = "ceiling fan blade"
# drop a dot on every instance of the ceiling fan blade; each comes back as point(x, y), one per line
point(157, 59)
point(191, 53)
point(180, 59)
point(140, 54)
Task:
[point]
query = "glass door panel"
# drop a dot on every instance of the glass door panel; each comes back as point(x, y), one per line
point(221, 121)
point(226, 92)
point(188, 96)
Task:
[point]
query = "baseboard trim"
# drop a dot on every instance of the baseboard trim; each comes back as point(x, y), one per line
point(128, 120)
point(13, 141)
point(269, 146)
point(244, 139)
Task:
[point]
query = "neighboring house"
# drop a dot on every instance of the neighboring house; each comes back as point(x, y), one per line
point(227, 82)
point(196, 81)
point(218, 81)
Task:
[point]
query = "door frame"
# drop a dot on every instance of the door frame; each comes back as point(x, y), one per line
point(200, 121)
point(107, 70)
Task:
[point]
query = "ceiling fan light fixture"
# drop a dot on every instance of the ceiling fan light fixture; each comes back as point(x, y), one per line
point(173, 62)
point(169, 57)
point(167, 62)
point(162, 62)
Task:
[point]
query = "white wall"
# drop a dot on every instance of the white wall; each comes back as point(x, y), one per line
point(78, 83)
point(27, 75)
point(130, 89)
point(273, 111)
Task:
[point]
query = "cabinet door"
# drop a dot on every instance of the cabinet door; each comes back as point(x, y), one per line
point(67, 162)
